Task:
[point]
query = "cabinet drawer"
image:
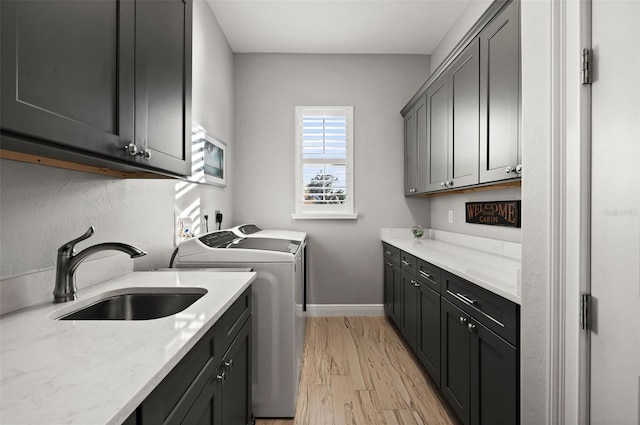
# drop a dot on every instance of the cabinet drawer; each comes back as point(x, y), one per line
point(496, 313)
point(408, 262)
point(391, 253)
point(235, 317)
point(428, 274)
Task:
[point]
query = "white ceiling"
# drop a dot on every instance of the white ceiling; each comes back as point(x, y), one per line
point(336, 26)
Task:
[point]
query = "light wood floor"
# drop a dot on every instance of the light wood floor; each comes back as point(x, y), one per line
point(357, 371)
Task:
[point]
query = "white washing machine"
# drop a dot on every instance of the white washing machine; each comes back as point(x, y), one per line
point(250, 230)
point(278, 318)
point(253, 231)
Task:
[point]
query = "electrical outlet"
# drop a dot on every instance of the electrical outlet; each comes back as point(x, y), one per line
point(450, 216)
point(183, 228)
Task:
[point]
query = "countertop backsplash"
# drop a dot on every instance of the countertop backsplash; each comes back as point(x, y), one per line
point(28, 289)
point(492, 246)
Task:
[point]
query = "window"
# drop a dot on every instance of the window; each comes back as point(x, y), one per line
point(324, 162)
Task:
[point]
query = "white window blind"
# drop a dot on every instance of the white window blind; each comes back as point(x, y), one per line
point(324, 162)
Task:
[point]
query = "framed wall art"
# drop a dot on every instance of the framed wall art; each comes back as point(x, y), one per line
point(208, 158)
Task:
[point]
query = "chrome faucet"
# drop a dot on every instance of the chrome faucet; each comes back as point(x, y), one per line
point(68, 262)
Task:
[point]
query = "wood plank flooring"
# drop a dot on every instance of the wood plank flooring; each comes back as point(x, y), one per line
point(358, 371)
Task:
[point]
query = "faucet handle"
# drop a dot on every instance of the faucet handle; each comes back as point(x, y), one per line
point(68, 247)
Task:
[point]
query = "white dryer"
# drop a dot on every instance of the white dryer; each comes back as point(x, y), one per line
point(278, 318)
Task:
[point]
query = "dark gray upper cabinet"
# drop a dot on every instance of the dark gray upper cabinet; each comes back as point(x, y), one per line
point(67, 73)
point(453, 130)
point(163, 84)
point(472, 111)
point(437, 133)
point(82, 80)
point(500, 146)
point(415, 130)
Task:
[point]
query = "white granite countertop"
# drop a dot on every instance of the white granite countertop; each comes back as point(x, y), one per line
point(98, 372)
point(484, 262)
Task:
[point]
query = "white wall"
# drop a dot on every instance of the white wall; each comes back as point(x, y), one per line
point(42, 207)
point(537, 142)
point(346, 260)
point(463, 24)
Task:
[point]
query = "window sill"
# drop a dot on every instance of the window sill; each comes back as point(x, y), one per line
point(324, 216)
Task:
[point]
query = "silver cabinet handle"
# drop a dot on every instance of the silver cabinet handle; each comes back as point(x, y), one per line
point(146, 153)
point(427, 275)
point(471, 327)
point(406, 263)
point(415, 283)
point(443, 184)
point(413, 190)
point(463, 320)
point(516, 170)
point(450, 183)
point(229, 364)
point(465, 299)
point(131, 148)
point(388, 252)
point(222, 376)
point(390, 264)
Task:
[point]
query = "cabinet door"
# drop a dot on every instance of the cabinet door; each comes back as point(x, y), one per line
point(465, 118)
point(409, 326)
point(388, 287)
point(396, 303)
point(236, 387)
point(438, 124)
point(67, 74)
point(410, 159)
point(207, 408)
point(428, 343)
point(456, 344)
point(500, 96)
point(163, 84)
point(495, 385)
point(420, 117)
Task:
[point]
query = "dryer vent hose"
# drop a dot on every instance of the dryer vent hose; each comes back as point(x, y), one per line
point(173, 257)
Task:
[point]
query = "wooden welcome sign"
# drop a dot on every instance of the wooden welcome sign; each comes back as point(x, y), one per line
point(494, 213)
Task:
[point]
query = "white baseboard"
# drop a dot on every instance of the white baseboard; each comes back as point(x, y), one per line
point(344, 310)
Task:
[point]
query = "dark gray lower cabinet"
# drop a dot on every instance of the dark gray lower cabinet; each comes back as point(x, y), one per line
point(212, 384)
point(392, 291)
point(428, 342)
point(236, 382)
point(479, 370)
point(456, 359)
point(466, 337)
point(494, 379)
point(409, 322)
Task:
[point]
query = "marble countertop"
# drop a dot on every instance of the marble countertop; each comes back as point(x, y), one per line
point(480, 263)
point(98, 372)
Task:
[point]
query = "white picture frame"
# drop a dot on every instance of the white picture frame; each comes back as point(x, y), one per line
point(208, 158)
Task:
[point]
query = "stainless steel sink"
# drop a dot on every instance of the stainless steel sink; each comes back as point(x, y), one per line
point(137, 305)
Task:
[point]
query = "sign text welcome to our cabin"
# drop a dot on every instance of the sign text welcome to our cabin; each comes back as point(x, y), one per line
point(495, 213)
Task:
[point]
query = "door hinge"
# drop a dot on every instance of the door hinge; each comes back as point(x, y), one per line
point(586, 74)
point(585, 311)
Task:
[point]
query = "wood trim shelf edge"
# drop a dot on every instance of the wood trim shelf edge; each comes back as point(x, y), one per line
point(490, 186)
point(103, 171)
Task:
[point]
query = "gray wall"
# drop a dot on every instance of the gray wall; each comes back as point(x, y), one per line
point(441, 205)
point(42, 207)
point(346, 263)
